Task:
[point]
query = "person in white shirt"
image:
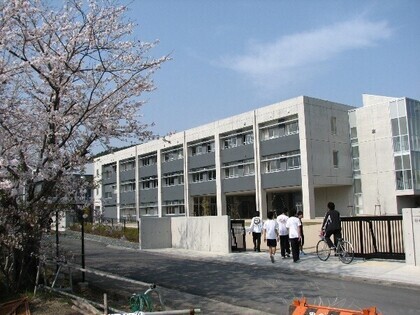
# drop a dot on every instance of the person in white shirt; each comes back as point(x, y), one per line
point(271, 234)
point(293, 224)
point(256, 229)
point(284, 234)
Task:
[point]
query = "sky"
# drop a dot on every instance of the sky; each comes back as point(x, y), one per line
point(233, 56)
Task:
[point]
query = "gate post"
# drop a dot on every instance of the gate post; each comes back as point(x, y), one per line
point(411, 227)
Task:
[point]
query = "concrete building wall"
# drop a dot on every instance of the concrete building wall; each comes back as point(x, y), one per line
point(376, 159)
point(342, 196)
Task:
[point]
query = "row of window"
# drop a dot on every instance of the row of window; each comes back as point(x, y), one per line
point(271, 130)
point(270, 164)
point(280, 128)
point(173, 207)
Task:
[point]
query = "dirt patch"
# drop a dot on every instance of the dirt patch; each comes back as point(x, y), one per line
point(51, 306)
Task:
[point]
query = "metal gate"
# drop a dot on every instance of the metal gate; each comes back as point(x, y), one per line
point(375, 236)
point(238, 234)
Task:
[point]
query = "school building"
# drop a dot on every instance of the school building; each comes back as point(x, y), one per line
point(301, 153)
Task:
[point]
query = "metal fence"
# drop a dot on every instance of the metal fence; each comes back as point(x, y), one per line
point(375, 236)
point(122, 222)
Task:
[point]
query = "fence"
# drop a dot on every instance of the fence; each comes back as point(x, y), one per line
point(375, 236)
point(124, 222)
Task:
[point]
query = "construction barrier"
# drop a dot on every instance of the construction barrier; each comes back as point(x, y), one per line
point(300, 307)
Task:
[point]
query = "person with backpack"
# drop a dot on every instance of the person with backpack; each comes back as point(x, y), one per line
point(331, 225)
point(256, 228)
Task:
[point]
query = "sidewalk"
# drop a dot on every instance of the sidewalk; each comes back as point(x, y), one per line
point(374, 270)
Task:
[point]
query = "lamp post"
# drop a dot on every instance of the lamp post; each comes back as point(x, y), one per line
point(84, 216)
point(57, 251)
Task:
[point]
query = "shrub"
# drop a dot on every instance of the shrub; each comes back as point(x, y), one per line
point(116, 231)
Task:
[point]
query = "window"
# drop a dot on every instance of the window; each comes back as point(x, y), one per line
point(281, 162)
point(127, 187)
point(173, 155)
point(148, 209)
point(128, 211)
point(239, 138)
point(202, 148)
point(108, 195)
point(239, 168)
point(333, 125)
point(204, 174)
point(148, 160)
point(230, 143)
point(205, 206)
point(172, 179)
point(279, 128)
point(174, 207)
point(127, 166)
point(248, 138)
point(148, 182)
point(400, 134)
point(403, 174)
point(108, 174)
point(335, 159)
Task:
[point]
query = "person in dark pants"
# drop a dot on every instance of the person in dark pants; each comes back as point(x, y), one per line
point(284, 234)
point(331, 225)
point(256, 229)
point(293, 224)
point(302, 237)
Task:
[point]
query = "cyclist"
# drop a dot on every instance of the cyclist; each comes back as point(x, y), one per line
point(331, 225)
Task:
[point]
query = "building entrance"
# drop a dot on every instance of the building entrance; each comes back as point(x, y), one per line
point(241, 206)
point(278, 201)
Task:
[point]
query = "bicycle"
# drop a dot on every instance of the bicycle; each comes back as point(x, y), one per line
point(344, 250)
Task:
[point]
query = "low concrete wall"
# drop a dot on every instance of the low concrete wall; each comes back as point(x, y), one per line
point(155, 233)
point(210, 234)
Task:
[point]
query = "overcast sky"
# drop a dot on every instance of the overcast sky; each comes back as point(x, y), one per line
point(232, 56)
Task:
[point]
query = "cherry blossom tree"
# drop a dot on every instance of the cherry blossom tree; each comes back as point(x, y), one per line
point(70, 78)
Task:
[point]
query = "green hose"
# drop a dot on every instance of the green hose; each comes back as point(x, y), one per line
point(141, 303)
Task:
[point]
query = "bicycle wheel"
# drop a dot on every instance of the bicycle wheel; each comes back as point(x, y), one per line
point(346, 253)
point(323, 250)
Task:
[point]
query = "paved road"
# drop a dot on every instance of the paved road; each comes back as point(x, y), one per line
point(238, 288)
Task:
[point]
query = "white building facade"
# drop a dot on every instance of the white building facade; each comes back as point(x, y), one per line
point(385, 136)
point(299, 153)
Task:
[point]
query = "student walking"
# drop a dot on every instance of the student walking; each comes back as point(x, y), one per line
point(284, 234)
point(256, 229)
point(271, 234)
point(302, 237)
point(293, 224)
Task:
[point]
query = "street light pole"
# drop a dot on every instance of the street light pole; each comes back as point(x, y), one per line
point(57, 253)
point(84, 216)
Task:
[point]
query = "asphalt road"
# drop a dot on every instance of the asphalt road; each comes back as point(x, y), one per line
point(239, 288)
